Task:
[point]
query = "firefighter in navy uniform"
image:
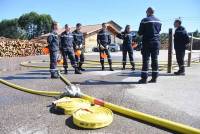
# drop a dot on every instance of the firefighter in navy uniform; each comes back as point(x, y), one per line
point(128, 38)
point(53, 45)
point(78, 46)
point(103, 40)
point(181, 39)
point(150, 28)
point(66, 46)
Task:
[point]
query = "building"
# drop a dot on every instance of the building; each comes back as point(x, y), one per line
point(90, 34)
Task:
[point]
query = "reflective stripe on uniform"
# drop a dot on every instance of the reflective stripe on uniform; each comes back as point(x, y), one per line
point(69, 36)
point(145, 22)
point(103, 34)
point(155, 71)
point(144, 71)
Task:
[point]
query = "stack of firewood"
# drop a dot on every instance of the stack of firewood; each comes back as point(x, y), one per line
point(19, 48)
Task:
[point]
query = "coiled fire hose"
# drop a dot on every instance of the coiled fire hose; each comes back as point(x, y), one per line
point(177, 127)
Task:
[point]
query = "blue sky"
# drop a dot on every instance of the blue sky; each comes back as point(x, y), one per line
point(97, 11)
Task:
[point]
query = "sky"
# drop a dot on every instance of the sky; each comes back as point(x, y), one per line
point(122, 12)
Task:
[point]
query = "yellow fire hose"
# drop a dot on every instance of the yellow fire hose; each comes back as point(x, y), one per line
point(177, 127)
point(37, 92)
point(86, 65)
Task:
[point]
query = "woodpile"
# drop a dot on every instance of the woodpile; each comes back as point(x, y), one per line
point(20, 48)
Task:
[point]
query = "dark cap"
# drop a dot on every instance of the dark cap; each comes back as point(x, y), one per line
point(178, 21)
point(78, 25)
point(53, 24)
point(150, 10)
point(66, 25)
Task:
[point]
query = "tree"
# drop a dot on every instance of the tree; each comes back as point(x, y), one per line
point(11, 29)
point(196, 33)
point(28, 26)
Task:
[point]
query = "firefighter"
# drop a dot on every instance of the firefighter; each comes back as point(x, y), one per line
point(150, 28)
point(128, 38)
point(53, 45)
point(78, 46)
point(67, 50)
point(103, 40)
point(181, 39)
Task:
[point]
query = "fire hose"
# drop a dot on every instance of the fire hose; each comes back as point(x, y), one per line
point(71, 90)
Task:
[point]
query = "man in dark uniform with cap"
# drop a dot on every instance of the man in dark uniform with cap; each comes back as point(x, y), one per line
point(67, 49)
point(103, 40)
point(150, 28)
point(181, 39)
point(53, 45)
point(78, 46)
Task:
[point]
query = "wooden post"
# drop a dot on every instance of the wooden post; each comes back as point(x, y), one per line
point(170, 51)
point(190, 52)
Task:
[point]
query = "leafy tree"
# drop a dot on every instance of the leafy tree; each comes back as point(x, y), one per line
point(27, 26)
point(11, 29)
point(196, 33)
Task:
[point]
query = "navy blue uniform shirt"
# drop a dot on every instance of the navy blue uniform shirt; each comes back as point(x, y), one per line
point(53, 41)
point(78, 38)
point(181, 38)
point(66, 40)
point(150, 28)
point(103, 38)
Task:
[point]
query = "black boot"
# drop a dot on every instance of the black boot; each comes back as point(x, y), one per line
point(102, 67)
point(153, 80)
point(80, 67)
point(181, 71)
point(65, 71)
point(77, 71)
point(124, 66)
point(142, 81)
point(133, 66)
point(111, 69)
point(54, 75)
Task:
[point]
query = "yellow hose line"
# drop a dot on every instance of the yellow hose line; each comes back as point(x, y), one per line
point(177, 127)
point(86, 65)
point(181, 128)
point(37, 92)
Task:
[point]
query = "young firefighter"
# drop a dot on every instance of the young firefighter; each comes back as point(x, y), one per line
point(103, 40)
point(53, 45)
point(78, 46)
point(66, 40)
point(128, 38)
point(181, 39)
